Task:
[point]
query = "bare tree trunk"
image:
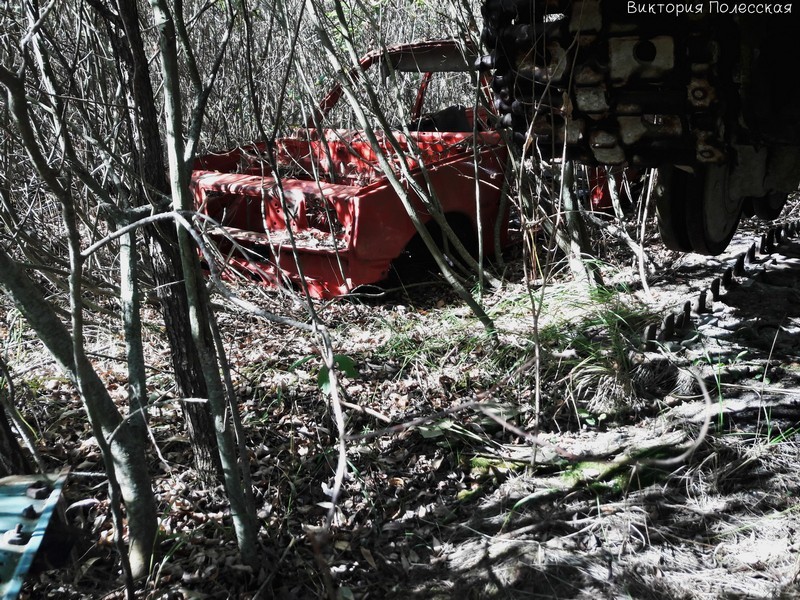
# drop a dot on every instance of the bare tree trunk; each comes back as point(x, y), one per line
point(200, 314)
point(132, 329)
point(12, 459)
point(153, 187)
point(123, 450)
point(187, 368)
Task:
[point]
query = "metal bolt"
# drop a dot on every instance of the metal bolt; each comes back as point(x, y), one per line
point(650, 333)
point(764, 246)
point(39, 490)
point(668, 326)
point(700, 304)
point(738, 266)
point(715, 288)
point(16, 537)
point(751, 253)
point(29, 512)
point(727, 278)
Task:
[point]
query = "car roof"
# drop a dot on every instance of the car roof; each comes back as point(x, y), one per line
point(429, 56)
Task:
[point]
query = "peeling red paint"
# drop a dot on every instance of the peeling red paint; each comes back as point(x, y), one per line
point(347, 222)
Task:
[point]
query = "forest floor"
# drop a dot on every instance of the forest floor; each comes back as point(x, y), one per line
point(477, 466)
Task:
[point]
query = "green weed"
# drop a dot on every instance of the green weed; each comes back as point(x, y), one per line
point(344, 363)
point(605, 342)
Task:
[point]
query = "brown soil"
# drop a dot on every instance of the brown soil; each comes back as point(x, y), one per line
point(603, 471)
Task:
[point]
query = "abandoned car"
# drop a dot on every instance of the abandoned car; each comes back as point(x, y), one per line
point(317, 210)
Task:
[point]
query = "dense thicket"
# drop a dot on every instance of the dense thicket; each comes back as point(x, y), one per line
point(105, 104)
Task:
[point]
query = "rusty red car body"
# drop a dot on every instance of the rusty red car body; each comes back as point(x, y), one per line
point(330, 217)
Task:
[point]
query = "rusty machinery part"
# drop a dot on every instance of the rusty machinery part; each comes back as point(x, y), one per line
point(701, 96)
point(759, 258)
